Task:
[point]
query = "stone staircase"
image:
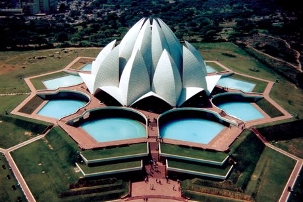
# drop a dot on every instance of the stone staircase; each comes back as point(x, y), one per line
point(155, 168)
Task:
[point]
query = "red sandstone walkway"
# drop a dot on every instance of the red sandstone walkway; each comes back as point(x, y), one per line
point(162, 191)
point(29, 196)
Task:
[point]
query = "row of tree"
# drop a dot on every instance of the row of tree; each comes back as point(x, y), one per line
point(200, 18)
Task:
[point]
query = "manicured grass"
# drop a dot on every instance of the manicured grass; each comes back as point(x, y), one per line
point(268, 108)
point(293, 146)
point(48, 165)
point(192, 152)
point(283, 131)
point(297, 193)
point(242, 63)
point(239, 140)
point(274, 175)
point(114, 152)
point(198, 189)
point(111, 166)
point(28, 66)
point(12, 134)
point(287, 136)
point(15, 130)
point(10, 102)
point(246, 156)
point(186, 165)
point(38, 81)
point(288, 96)
point(196, 196)
point(6, 191)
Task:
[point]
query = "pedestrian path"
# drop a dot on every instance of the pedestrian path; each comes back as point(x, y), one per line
point(295, 172)
point(22, 183)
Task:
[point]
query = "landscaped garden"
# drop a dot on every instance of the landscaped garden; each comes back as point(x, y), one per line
point(188, 152)
point(48, 164)
point(9, 191)
point(119, 151)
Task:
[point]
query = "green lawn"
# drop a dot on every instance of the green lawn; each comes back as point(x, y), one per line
point(192, 152)
point(6, 191)
point(25, 65)
point(10, 102)
point(268, 108)
point(239, 140)
point(287, 136)
point(196, 196)
point(241, 63)
point(288, 96)
point(110, 166)
point(246, 156)
point(203, 168)
point(16, 129)
point(114, 152)
point(48, 165)
point(12, 134)
point(293, 146)
point(272, 171)
point(297, 194)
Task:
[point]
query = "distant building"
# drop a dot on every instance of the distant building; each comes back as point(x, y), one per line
point(33, 7)
point(11, 11)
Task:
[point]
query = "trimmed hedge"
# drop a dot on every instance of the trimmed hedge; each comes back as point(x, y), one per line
point(30, 125)
point(284, 131)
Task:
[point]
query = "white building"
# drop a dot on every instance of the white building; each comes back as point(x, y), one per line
point(150, 61)
point(32, 7)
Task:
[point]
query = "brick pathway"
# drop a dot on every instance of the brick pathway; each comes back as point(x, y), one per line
point(152, 189)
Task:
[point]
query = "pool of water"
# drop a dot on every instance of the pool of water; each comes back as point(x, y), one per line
point(87, 67)
point(64, 81)
point(236, 84)
point(60, 108)
point(242, 110)
point(191, 130)
point(209, 69)
point(113, 129)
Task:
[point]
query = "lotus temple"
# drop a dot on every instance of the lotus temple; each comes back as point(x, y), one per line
point(154, 98)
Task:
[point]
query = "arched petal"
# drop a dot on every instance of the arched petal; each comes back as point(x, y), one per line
point(134, 79)
point(167, 80)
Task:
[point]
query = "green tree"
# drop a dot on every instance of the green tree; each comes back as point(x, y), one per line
point(62, 36)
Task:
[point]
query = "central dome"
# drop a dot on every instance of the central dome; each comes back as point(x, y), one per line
point(149, 61)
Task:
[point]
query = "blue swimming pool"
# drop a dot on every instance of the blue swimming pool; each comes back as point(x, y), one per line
point(87, 67)
point(242, 110)
point(191, 130)
point(236, 84)
point(209, 69)
point(60, 108)
point(69, 80)
point(113, 129)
